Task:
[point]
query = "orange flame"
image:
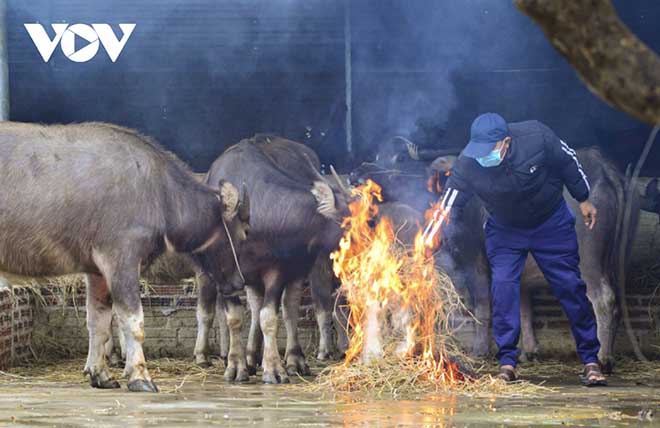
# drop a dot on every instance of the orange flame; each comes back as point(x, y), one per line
point(390, 290)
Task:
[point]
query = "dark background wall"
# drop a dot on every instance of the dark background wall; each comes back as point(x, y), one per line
point(200, 75)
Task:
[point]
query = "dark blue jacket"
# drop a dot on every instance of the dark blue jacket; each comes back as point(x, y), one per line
point(526, 188)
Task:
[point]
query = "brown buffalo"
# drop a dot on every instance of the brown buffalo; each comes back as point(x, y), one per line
point(105, 201)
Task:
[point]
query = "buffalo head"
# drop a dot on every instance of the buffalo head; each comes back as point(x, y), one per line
point(332, 199)
point(217, 258)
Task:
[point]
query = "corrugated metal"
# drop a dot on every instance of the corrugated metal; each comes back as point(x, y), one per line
point(201, 74)
point(198, 75)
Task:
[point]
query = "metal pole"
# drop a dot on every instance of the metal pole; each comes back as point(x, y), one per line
point(4, 107)
point(4, 63)
point(349, 77)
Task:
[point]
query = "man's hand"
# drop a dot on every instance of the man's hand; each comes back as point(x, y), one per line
point(588, 213)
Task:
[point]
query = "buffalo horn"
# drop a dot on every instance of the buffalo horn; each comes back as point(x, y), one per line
point(339, 181)
point(245, 203)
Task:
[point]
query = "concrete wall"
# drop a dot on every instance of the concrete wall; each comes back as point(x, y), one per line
point(16, 325)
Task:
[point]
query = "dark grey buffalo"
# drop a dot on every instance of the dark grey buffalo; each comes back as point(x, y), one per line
point(465, 260)
point(105, 201)
point(295, 214)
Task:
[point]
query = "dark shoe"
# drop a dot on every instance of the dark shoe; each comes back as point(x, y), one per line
point(507, 374)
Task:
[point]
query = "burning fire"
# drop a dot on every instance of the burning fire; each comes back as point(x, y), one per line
point(394, 293)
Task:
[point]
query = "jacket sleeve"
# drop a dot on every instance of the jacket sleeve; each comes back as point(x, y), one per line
point(456, 195)
point(564, 160)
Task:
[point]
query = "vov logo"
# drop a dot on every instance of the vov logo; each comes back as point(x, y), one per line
point(68, 36)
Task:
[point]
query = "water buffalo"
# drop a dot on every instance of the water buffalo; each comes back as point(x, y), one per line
point(464, 258)
point(103, 200)
point(295, 214)
point(402, 171)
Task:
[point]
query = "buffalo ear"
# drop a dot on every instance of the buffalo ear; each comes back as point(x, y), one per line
point(229, 196)
point(443, 164)
point(325, 199)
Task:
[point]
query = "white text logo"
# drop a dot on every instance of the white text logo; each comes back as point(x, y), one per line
point(66, 36)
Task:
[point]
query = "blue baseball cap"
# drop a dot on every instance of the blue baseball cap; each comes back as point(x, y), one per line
point(486, 131)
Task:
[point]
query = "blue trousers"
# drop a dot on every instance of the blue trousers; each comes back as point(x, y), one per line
point(555, 248)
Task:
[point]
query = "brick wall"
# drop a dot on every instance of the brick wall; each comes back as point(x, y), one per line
point(170, 324)
point(16, 324)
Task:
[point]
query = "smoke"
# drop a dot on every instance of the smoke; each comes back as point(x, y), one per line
point(404, 56)
point(199, 75)
point(425, 69)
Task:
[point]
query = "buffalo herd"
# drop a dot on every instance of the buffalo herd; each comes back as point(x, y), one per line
point(104, 201)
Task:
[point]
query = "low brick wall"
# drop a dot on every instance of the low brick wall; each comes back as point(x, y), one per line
point(16, 325)
point(169, 319)
point(170, 324)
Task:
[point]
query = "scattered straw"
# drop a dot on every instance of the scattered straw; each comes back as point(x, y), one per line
point(394, 377)
point(169, 373)
point(402, 314)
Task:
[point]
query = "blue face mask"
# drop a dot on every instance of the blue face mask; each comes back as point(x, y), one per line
point(493, 158)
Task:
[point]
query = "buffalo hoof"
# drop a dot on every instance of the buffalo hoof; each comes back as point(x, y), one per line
point(295, 362)
point(274, 378)
point(298, 367)
point(116, 361)
point(607, 366)
point(529, 357)
point(252, 370)
point(233, 374)
point(204, 365)
point(110, 383)
point(140, 385)
point(323, 356)
point(479, 352)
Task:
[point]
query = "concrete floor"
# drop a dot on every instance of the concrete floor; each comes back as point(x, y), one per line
point(26, 401)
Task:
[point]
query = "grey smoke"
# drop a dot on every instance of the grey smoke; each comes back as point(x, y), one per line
point(200, 75)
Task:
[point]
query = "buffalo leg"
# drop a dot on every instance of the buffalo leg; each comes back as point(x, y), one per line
point(272, 364)
point(480, 290)
point(322, 299)
point(294, 356)
point(109, 346)
point(223, 329)
point(606, 311)
point(341, 314)
point(99, 325)
point(122, 343)
point(255, 299)
point(115, 356)
point(206, 303)
point(530, 346)
point(122, 273)
point(324, 322)
point(236, 363)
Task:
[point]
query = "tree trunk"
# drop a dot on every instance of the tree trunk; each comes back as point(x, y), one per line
point(611, 60)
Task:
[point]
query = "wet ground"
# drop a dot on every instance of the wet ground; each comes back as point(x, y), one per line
point(57, 395)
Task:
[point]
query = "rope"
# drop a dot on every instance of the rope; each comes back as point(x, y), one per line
point(233, 250)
